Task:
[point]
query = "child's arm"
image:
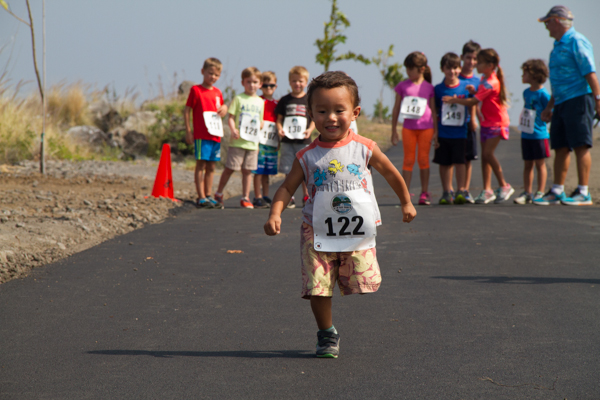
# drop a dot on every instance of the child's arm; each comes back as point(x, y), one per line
point(547, 113)
point(234, 132)
point(434, 115)
point(384, 166)
point(472, 122)
point(470, 102)
point(395, 115)
point(282, 198)
point(309, 130)
point(279, 124)
point(189, 135)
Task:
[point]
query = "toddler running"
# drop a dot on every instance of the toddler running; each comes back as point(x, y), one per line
point(491, 93)
point(340, 217)
point(416, 104)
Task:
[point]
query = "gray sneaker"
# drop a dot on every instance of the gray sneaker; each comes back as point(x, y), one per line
point(328, 345)
point(524, 198)
point(447, 198)
point(468, 197)
point(503, 194)
point(461, 197)
point(485, 197)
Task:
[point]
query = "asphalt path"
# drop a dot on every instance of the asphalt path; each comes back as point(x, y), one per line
point(477, 302)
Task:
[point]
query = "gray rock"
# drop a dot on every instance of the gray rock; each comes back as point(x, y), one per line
point(110, 120)
point(140, 121)
point(184, 88)
point(135, 144)
point(20, 225)
point(87, 203)
point(91, 136)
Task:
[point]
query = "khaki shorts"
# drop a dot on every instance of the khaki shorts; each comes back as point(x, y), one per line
point(241, 159)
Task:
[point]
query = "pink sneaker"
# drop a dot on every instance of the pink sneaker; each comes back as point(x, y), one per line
point(424, 199)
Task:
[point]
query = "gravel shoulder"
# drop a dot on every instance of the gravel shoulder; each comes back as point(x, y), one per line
point(77, 205)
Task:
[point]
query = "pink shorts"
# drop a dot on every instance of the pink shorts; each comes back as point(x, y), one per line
point(354, 271)
point(492, 132)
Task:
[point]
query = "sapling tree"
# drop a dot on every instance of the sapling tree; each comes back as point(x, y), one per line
point(391, 75)
point(332, 37)
point(30, 25)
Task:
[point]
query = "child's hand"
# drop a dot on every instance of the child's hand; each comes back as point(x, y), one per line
point(546, 115)
point(395, 137)
point(222, 110)
point(235, 134)
point(471, 89)
point(472, 124)
point(307, 134)
point(281, 133)
point(273, 226)
point(408, 212)
point(189, 138)
point(436, 143)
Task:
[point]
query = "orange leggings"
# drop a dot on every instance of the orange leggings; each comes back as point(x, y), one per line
point(410, 139)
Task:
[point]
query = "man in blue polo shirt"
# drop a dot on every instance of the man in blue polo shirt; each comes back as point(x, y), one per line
point(574, 102)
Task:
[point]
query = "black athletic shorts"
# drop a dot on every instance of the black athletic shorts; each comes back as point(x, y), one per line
point(572, 123)
point(535, 149)
point(451, 151)
point(471, 151)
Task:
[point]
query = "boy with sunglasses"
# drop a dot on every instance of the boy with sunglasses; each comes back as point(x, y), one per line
point(268, 145)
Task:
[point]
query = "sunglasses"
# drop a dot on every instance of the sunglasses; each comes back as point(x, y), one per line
point(268, 85)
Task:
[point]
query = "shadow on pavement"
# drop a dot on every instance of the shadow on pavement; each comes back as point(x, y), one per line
point(241, 354)
point(518, 279)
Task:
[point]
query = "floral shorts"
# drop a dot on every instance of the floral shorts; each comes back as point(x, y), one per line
point(354, 271)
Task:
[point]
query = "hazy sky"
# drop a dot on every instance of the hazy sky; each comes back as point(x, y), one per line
point(129, 43)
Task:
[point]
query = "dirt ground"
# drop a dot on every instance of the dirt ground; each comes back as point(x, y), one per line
point(77, 205)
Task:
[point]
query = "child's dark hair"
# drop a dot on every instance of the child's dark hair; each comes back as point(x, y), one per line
point(332, 80)
point(450, 60)
point(490, 56)
point(416, 59)
point(471, 47)
point(537, 69)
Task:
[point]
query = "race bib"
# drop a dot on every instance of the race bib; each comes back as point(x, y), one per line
point(268, 135)
point(249, 127)
point(527, 121)
point(354, 127)
point(453, 114)
point(413, 107)
point(344, 221)
point(295, 126)
point(213, 123)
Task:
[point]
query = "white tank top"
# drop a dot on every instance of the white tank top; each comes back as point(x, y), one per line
point(337, 167)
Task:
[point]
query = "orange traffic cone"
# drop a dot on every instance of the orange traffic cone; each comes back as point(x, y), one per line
point(163, 184)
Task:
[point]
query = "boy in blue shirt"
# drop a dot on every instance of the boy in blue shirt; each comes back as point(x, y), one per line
point(535, 144)
point(469, 62)
point(451, 141)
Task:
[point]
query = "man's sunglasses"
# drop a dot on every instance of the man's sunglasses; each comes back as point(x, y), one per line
point(268, 85)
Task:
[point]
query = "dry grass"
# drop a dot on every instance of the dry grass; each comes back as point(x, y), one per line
point(378, 132)
point(21, 122)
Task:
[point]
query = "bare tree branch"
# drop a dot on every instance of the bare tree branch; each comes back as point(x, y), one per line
point(37, 72)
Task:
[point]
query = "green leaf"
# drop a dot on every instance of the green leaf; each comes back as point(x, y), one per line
point(3, 4)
